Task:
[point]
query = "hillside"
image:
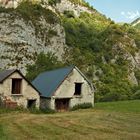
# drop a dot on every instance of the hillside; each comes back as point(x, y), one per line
point(108, 53)
point(113, 121)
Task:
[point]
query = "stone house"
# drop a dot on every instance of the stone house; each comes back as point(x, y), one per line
point(16, 90)
point(63, 88)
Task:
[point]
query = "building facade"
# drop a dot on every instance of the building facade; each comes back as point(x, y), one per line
point(16, 91)
point(64, 88)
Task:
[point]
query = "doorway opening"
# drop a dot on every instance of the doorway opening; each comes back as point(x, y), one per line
point(31, 104)
point(62, 104)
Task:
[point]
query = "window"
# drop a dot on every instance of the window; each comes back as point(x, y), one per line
point(78, 87)
point(16, 86)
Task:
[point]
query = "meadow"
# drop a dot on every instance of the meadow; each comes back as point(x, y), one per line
point(106, 121)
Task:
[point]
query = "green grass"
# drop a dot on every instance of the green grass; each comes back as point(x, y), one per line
point(107, 121)
point(120, 106)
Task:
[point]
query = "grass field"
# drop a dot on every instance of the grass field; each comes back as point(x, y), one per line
point(107, 121)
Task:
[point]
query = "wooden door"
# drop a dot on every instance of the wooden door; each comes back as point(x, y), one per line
point(62, 104)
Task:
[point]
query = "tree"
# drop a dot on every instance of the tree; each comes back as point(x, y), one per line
point(43, 63)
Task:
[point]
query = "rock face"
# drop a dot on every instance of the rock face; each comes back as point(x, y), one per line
point(20, 44)
point(66, 5)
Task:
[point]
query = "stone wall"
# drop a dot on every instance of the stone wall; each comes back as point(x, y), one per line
point(27, 92)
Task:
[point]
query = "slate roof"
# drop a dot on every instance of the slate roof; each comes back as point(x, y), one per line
point(48, 82)
point(5, 74)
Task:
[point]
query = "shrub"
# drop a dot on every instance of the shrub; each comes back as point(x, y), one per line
point(31, 110)
point(6, 10)
point(1, 102)
point(69, 14)
point(136, 95)
point(53, 2)
point(33, 12)
point(82, 106)
point(137, 75)
point(8, 110)
point(43, 63)
point(41, 111)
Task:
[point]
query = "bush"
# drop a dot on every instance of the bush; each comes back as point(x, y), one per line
point(6, 10)
point(82, 106)
point(43, 63)
point(69, 14)
point(136, 95)
point(137, 75)
point(33, 12)
point(8, 110)
point(1, 102)
point(31, 110)
point(41, 111)
point(53, 2)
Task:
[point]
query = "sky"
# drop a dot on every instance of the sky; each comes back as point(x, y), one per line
point(118, 10)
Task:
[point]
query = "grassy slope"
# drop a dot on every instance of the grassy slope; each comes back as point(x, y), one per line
point(118, 120)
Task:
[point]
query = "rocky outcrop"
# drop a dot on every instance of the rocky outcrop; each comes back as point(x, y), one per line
point(20, 42)
point(66, 5)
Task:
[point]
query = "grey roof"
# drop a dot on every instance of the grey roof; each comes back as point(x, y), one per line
point(48, 82)
point(4, 74)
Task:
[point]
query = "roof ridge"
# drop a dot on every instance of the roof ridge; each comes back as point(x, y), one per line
point(56, 69)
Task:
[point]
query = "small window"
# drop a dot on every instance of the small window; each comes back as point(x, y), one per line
point(78, 88)
point(16, 86)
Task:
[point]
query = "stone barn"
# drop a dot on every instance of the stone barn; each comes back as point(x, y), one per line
point(63, 88)
point(15, 90)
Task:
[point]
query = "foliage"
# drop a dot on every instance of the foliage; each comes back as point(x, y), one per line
point(82, 3)
point(137, 26)
point(96, 41)
point(137, 75)
point(32, 110)
point(31, 11)
point(34, 12)
point(41, 111)
point(53, 2)
point(6, 10)
point(82, 106)
point(43, 63)
point(69, 14)
point(1, 102)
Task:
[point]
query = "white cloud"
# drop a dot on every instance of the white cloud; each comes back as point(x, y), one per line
point(131, 14)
